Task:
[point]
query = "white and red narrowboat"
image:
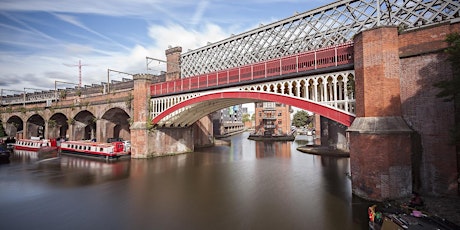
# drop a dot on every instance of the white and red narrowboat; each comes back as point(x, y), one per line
point(96, 149)
point(34, 144)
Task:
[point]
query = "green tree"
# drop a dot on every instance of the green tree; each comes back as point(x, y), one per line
point(301, 118)
point(246, 117)
point(450, 89)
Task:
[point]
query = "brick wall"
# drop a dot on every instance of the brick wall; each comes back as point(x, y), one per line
point(377, 75)
point(422, 64)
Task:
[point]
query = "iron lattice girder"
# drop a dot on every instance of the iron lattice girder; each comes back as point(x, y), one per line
point(329, 25)
point(333, 91)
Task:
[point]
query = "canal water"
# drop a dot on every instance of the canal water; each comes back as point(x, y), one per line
point(247, 185)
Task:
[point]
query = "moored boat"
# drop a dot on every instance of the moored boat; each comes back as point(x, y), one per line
point(33, 145)
point(97, 149)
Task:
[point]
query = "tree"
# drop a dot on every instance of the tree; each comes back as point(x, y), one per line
point(246, 117)
point(450, 89)
point(301, 118)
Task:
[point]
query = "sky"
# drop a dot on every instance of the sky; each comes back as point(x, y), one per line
point(42, 42)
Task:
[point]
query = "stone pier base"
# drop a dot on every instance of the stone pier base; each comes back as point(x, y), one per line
point(162, 142)
point(380, 158)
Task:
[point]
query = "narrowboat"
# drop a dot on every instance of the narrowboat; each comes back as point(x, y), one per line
point(111, 150)
point(33, 144)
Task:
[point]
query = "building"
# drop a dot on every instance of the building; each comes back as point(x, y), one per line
point(227, 121)
point(272, 118)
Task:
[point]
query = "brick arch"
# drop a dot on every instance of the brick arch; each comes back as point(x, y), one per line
point(13, 125)
point(115, 123)
point(58, 125)
point(35, 126)
point(341, 117)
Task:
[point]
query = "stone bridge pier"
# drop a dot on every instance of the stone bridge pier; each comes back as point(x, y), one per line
point(380, 140)
point(148, 141)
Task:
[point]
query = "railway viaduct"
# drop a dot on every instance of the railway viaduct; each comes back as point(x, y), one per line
point(398, 140)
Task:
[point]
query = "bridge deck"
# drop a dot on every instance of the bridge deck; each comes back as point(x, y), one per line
point(321, 58)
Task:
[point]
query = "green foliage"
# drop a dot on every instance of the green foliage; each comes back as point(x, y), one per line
point(450, 89)
point(301, 118)
point(246, 117)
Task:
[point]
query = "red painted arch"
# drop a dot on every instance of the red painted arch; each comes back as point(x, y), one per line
point(343, 118)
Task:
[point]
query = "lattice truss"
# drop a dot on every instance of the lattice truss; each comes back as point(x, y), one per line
point(329, 25)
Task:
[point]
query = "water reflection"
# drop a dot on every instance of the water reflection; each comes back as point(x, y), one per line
point(273, 148)
point(248, 185)
point(61, 170)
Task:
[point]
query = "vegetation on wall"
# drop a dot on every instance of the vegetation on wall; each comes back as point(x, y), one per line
point(450, 89)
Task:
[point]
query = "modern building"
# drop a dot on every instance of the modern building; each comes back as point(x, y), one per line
point(228, 121)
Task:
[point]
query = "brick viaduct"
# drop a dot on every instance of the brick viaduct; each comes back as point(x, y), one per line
point(398, 142)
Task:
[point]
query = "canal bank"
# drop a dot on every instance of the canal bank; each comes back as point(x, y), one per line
point(446, 207)
point(323, 151)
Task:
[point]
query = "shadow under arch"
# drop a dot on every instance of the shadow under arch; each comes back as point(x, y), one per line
point(13, 125)
point(338, 116)
point(116, 123)
point(58, 125)
point(84, 125)
point(35, 126)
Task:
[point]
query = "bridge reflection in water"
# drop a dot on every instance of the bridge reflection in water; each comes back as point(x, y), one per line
point(248, 185)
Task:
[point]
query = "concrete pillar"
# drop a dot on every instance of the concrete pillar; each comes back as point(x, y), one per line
point(380, 140)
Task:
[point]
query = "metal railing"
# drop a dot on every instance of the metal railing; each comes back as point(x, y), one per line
point(311, 60)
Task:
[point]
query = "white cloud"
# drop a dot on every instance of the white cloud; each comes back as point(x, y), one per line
point(177, 35)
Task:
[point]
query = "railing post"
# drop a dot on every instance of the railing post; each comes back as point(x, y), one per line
point(252, 72)
point(239, 74)
point(315, 61)
point(265, 69)
point(281, 66)
point(297, 63)
point(335, 49)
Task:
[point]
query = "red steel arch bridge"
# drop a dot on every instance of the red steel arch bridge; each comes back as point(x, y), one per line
point(305, 60)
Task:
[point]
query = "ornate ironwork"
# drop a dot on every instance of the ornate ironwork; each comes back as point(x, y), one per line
point(332, 90)
point(329, 25)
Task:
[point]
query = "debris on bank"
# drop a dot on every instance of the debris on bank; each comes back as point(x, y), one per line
point(323, 151)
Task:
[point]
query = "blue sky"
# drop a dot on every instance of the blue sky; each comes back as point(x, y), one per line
point(42, 41)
